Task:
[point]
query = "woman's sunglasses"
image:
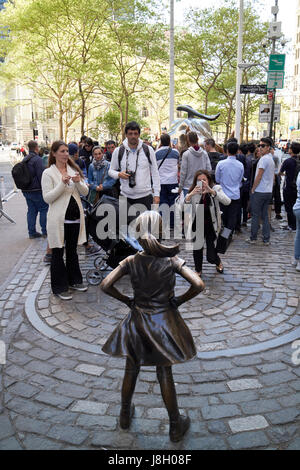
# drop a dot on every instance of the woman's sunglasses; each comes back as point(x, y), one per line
point(262, 145)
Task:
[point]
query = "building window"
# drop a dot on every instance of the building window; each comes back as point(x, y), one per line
point(49, 113)
point(145, 112)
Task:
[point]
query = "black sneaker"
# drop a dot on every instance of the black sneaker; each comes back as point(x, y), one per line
point(278, 216)
point(47, 258)
point(65, 296)
point(35, 235)
point(79, 287)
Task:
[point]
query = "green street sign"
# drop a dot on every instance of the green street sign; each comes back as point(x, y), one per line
point(275, 80)
point(277, 62)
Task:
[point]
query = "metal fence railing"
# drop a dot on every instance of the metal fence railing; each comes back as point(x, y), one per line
point(2, 199)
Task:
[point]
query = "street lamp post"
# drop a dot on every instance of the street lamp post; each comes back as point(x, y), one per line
point(239, 72)
point(172, 80)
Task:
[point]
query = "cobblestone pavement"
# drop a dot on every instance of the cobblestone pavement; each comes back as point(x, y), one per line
point(59, 391)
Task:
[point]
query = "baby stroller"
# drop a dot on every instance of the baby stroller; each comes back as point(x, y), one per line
point(117, 246)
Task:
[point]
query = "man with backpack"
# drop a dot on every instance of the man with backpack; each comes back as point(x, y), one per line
point(290, 168)
point(33, 192)
point(134, 163)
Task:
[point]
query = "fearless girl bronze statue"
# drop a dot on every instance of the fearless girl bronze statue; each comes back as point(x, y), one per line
point(153, 333)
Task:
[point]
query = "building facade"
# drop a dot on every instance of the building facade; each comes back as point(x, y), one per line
point(295, 82)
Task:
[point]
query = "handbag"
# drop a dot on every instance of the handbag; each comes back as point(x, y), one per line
point(179, 202)
point(224, 240)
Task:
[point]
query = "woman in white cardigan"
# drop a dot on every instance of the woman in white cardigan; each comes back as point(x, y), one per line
point(62, 185)
point(203, 191)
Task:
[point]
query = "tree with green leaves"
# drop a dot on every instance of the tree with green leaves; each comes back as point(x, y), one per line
point(134, 43)
point(110, 121)
point(207, 53)
point(51, 49)
point(82, 52)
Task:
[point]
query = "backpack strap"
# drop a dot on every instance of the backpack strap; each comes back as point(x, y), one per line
point(122, 151)
point(120, 155)
point(147, 153)
point(27, 158)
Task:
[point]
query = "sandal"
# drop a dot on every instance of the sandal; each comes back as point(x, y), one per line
point(220, 268)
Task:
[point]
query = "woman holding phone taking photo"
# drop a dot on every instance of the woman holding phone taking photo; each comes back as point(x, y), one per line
point(62, 185)
point(203, 191)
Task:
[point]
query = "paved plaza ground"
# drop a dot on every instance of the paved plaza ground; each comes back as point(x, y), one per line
point(242, 391)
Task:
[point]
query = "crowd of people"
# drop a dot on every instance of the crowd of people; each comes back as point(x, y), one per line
point(235, 186)
point(224, 189)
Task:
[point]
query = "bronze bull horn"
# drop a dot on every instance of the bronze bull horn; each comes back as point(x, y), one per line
point(193, 113)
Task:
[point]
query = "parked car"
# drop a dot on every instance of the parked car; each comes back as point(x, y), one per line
point(14, 146)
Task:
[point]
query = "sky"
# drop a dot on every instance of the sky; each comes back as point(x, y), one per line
point(286, 15)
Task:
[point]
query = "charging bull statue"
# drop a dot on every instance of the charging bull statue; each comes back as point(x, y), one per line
point(192, 123)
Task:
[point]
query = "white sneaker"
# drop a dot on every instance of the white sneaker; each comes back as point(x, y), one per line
point(252, 242)
point(298, 266)
point(294, 263)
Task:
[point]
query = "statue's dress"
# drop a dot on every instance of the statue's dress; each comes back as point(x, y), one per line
point(153, 333)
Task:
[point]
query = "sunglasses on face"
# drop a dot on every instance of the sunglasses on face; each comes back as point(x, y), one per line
point(262, 145)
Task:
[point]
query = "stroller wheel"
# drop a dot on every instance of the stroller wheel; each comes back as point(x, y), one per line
point(99, 262)
point(94, 277)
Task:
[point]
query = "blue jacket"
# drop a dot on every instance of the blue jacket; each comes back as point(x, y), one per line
point(36, 168)
point(95, 177)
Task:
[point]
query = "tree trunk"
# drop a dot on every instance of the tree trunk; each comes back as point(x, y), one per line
point(206, 104)
point(122, 127)
point(242, 128)
point(125, 116)
point(228, 121)
point(247, 128)
point(61, 121)
point(82, 130)
point(159, 126)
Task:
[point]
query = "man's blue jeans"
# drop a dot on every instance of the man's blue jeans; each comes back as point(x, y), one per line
point(167, 197)
point(297, 238)
point(259, 209)
point(35, 205)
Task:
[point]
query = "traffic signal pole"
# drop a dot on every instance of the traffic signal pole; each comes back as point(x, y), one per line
point(274, 90)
